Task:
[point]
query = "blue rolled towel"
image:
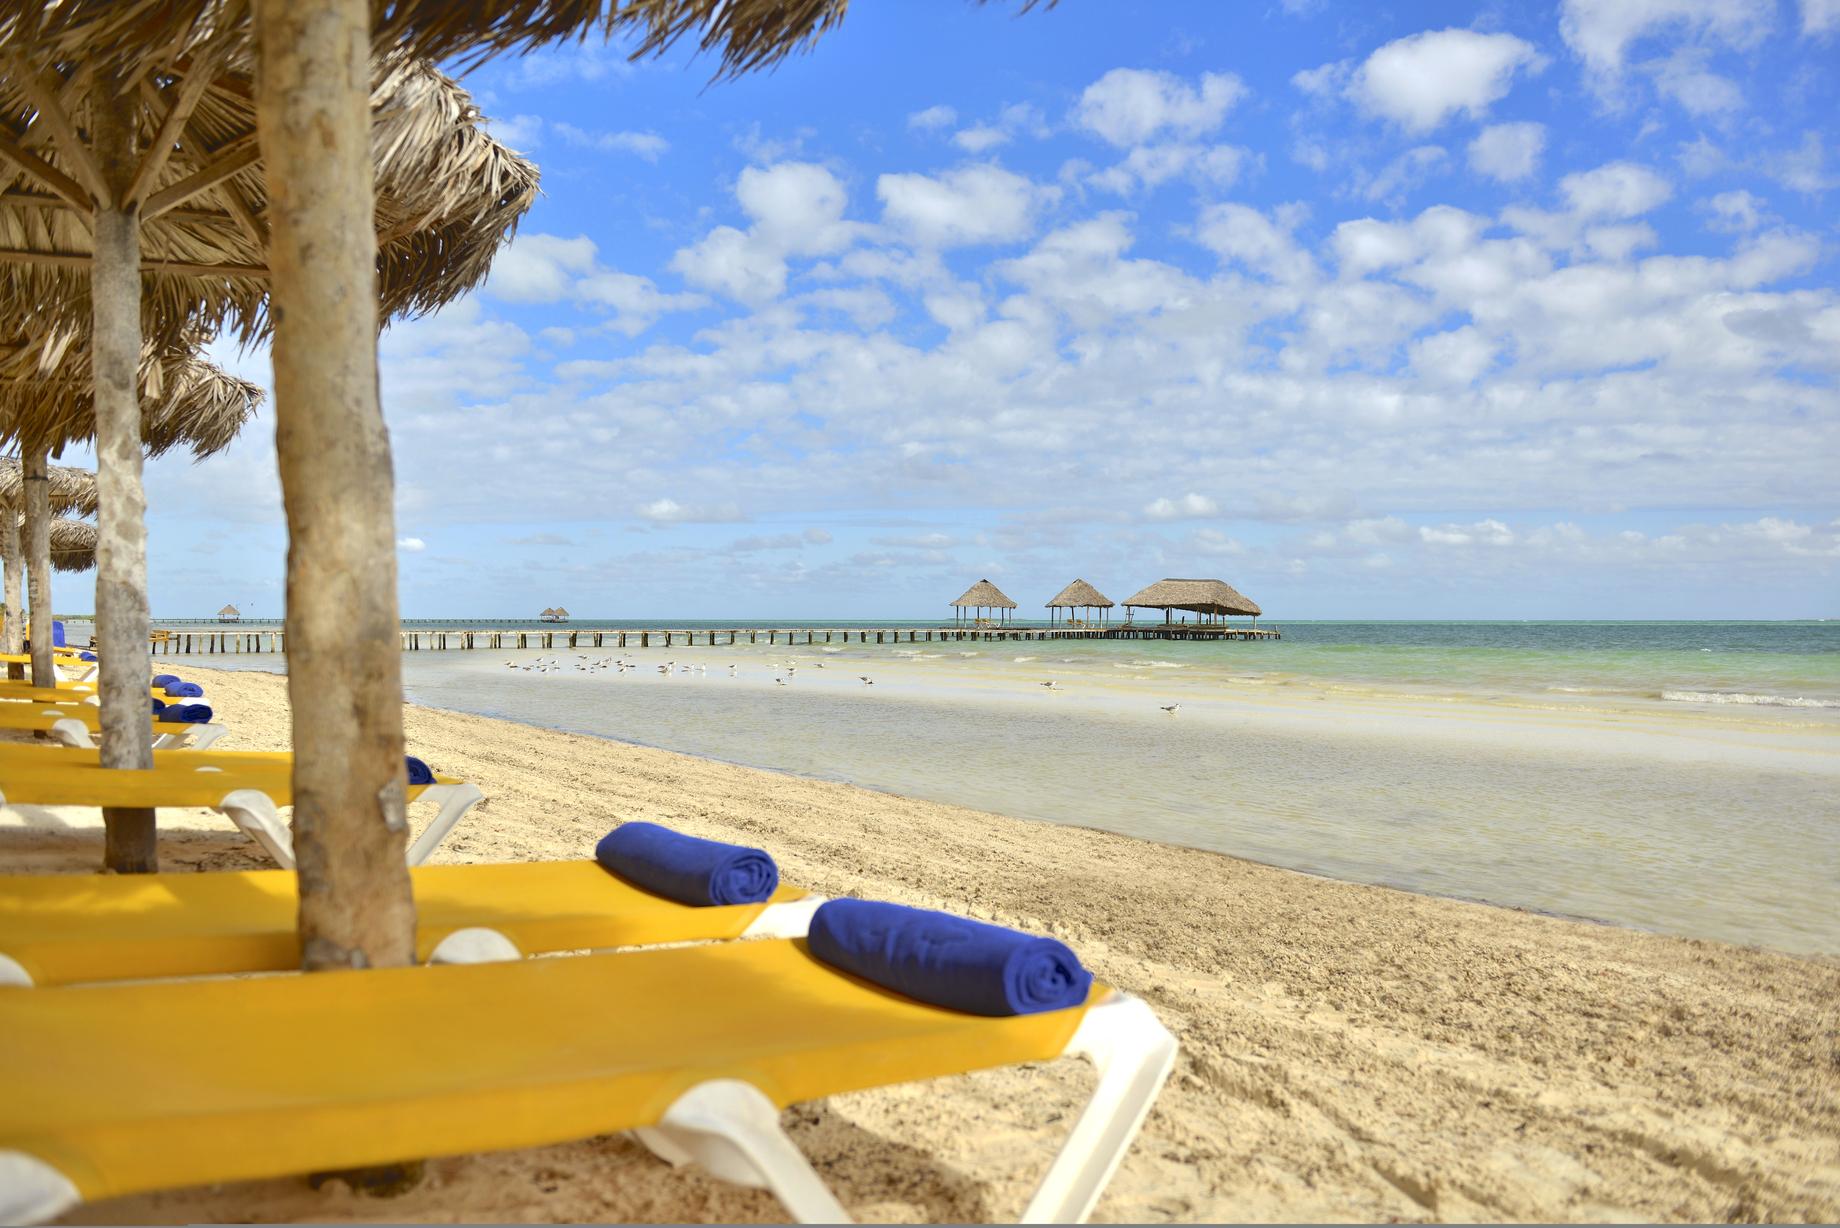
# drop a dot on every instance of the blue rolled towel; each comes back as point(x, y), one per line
point(86, 656)
point(948, 961)
point(183, 690)
point(187, 714)
point(419, 773)
point(165, 679)
point(688, 869)
point(158, 704)
point(57, 633)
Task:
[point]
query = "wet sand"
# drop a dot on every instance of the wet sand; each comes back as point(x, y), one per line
point(1348, 1052)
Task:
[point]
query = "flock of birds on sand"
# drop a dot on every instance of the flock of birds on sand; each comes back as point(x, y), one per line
point(584, 664)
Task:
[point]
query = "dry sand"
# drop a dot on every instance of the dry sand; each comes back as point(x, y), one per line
point(1348, 1052)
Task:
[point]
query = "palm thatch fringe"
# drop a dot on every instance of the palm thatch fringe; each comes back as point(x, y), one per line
point(984, 595)
point(47, 396)
point(73, 545)
point(1080, 596)
point(72, 491)
point(448, 195)
point(1197, 596)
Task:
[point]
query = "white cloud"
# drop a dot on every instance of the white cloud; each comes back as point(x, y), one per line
point(1263, 244)
point(1128, 106)
point(1820, 17)
point(670, 511)
point(520, 132)
point(647, 145)
point(796, 210)
point(1616, 190)
point(1481, 533)
point(1150, 166)
point(964, 207)
point(980, 138)
point(1684, 77)
point(933, 118)
point(1508, 152)
point(1601, 31)
point(1405, 172)
point(1423, 79)
point(1737, 210)
point(1190, 506)
point(411, 545)
point(540, 268)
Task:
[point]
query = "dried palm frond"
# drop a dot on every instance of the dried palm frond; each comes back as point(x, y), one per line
point(73, 545)
point(72, 491)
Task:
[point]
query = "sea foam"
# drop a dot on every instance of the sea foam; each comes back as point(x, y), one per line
point(1741, 697)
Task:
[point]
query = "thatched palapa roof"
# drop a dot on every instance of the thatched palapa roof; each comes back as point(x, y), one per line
point(72, 491)
point(1197, 596)
point(229, 611)
point(73, 545)
point(984, 594)
point(1079, 596)
point(447, 194)
point(47, 396)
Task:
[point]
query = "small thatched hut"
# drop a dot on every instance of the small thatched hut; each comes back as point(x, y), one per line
point(562, 615)
point(1211, 599)
point(229, 614)
point(1079, 596)
point(982, 596)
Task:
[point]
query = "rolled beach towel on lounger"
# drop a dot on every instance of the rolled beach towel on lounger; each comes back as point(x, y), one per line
point(158, 705)
point(688, 869)
point(166, 679)
point(185, 714)
point(419, 773)
point(86, 656)
point(183, 690)
point(948, 961)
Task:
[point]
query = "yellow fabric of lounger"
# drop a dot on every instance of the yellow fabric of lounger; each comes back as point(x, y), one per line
point(42, 716)
point(125, 1088)
point(71, 776)
point(65, 928)
point(65, 692)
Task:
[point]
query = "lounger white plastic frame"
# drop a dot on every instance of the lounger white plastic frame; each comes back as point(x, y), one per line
point(257, 816)
point(73, 732)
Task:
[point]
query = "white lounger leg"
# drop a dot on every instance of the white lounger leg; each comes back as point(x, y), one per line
point(474, 945)
point(789, 920)
point(1134, 1053)
point(455, 801)
point(12, 973)
point(72, 733)
point(31, 1191)
point(732, 1130)
point(256, 815)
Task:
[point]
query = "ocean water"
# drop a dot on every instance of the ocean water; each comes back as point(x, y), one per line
point(1680, 777)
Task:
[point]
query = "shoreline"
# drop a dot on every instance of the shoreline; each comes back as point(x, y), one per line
point(1349, 1052)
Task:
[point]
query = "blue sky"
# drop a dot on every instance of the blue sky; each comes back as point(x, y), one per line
point(1390, 311)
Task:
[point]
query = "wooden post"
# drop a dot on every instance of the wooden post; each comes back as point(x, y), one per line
point(38, 561)
point(130, 842)
point(313, 82)
point(13, 638)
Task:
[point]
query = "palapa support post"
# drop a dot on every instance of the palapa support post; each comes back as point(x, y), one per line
point(12, 553)
point(313, 80)
point(38, 560)
point(131, 843)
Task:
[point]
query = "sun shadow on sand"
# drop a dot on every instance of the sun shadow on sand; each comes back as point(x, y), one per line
point(44, 844)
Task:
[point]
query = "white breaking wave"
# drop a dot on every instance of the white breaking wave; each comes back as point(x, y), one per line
point(1740, 697)
point(1020, 660)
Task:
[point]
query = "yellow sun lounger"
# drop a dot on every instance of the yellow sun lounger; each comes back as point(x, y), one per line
point(246, 787)
point(60, 929)
point(76, 723)
point(66, 657)
point(117, 1089)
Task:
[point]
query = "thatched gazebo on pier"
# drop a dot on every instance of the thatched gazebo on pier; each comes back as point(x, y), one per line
point(1079, 596)
point(561, 614)
point(1211, 599)
point(229, 614)
point(982, 596)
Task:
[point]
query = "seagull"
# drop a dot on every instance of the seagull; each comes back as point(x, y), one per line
point(781, 681)
point(1172, 709)
point(867, 681)
point(1052, 686)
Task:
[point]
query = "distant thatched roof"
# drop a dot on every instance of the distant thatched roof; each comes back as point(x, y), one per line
point(229, 611)
point(46, 395)
point(447, 193)
point(561, 613)
point(73, 545)
point(1080, 595)
point(1199, 596)
point(984, 594)
point(73, 491)
point(550, 613)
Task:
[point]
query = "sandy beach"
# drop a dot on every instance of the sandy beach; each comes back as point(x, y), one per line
point(1348, 1052)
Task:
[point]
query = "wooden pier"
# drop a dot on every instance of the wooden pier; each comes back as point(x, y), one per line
point(211, 642)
